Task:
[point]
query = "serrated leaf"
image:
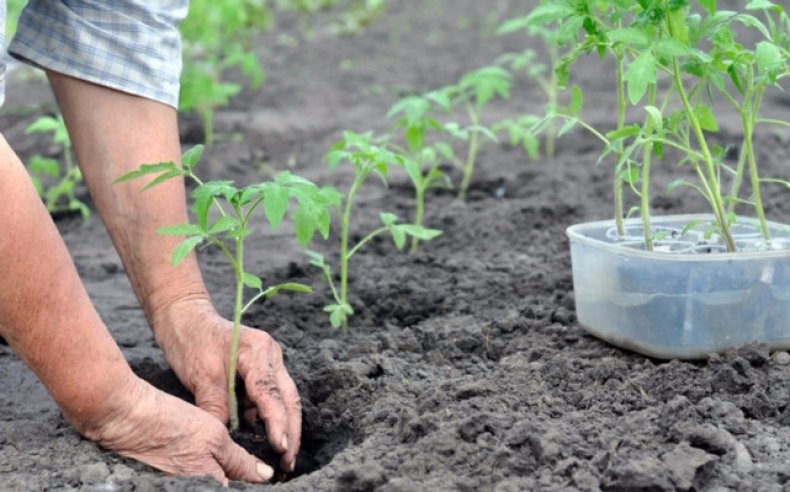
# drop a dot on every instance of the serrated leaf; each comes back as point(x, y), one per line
point(768, 56)
point(145, 170)
point(672, 47)
point(398, 235)
point(639, 75)
point(275, 204)
point(709, 6)
point(316, 258)
point(163, 178)
point(288, 286)
point(45, 166)
point(184, 248)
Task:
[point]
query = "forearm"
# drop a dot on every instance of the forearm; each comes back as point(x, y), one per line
point(117, 134)
point(45, 314)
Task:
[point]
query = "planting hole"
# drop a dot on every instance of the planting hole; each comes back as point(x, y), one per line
point(322, 438)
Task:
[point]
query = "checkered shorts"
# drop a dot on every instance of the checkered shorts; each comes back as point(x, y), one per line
point(130, 45)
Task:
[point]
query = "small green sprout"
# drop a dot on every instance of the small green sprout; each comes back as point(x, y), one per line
point(367, 158)
point(224, 212)
point(55, 182)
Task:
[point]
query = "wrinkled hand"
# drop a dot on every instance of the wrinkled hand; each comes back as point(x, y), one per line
point(171, 435)
point(196, 342)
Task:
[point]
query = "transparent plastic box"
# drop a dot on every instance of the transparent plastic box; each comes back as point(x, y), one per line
point(687, 298)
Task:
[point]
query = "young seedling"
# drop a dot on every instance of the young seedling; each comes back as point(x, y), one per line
point(367, 158)
point(546, 76)
point(218, 37)
point(415, 118)
point(55, 182)
point(475, 90)
point(224, 214)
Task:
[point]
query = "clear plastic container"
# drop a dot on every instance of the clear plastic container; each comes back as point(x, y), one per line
point(688, 297)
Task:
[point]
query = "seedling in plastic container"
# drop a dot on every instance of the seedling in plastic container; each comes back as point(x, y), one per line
point(367, 158)
point(224, 214)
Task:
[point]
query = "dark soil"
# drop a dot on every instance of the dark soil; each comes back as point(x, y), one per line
point(464, 368)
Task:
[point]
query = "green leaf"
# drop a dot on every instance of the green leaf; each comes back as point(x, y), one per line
point(338, 314)
point(167, 176)
point(624, 132)
point(252, 281)
point(45, 166)
point(180, 230)
point(223, 224)
point(759, 5)
point(398, 236)
point(145, 170)
point(630, 36)
point(656, 119)
point(316, 258)
point(706, 118)
point(275, 203)
point(768, 56)
point(672, 47)
point(548, 12)
point(288, 286)
point(420, 232)
point(388, 219)
point(639, 75)
point(184, 248)
point(192, 156)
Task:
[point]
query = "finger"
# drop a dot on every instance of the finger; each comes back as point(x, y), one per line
point(250, 416)
point(214, 400)
point(263, 389)
point(238, 464)
point(293, 409)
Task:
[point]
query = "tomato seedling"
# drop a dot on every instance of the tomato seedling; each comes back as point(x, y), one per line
point(367, 158)
point(697, 53)
point(217, 37)
point(224, 213)
point(55, 181)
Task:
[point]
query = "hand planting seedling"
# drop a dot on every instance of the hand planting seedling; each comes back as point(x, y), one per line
point(696, 51)
point(224, 214)
point(367, 158)
point(218, 37)
point(54, 182)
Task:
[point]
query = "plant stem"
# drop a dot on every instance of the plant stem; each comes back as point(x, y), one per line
point(365, 240)
point(233, 356)
point(714, 189)
point(747, 120)
point(647, 155)
point(344, 254)
point(474, 120)
point(419, 212)
point(207, 115)
point(618, 182)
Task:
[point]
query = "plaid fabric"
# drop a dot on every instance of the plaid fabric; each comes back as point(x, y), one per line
point(132, 45)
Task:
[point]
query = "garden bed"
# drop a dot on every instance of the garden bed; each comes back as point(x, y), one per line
point(464, 368)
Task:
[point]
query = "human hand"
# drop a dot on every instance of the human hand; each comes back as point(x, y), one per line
point(196, 342)
point(171, 435)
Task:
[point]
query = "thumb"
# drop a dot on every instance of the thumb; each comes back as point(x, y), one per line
point(238, 464)
point(214, 400)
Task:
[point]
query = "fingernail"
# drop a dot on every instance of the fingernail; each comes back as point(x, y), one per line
point(284, 443)
point(292, 466)
point(265, 472)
